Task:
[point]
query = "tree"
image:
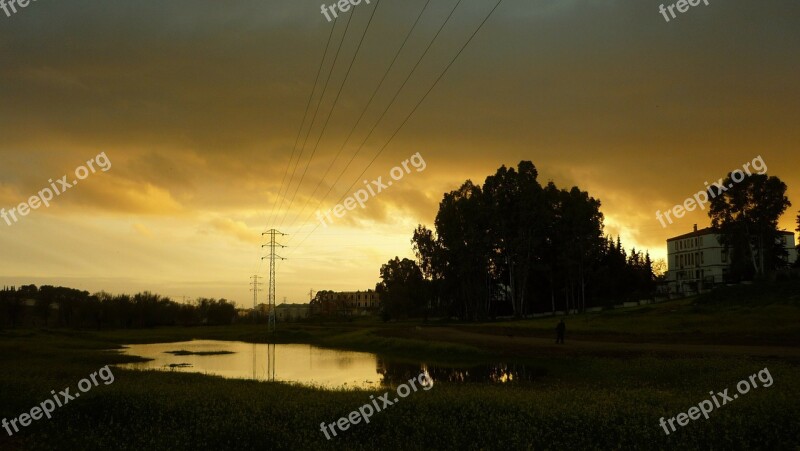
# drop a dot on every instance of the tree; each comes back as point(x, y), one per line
point(42, 309)
point(516, 202)
point(402, 288)
point(324, 303)
point(746, 215)
point(576, 242)
point(660, 268)
point(797, 255)
point(213, 312)
point(513, 246)
point(430, 258)
point(12, 307)
point(462, 227)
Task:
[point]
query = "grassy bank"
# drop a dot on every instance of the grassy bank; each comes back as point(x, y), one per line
point(684, 321)
point(582, 402)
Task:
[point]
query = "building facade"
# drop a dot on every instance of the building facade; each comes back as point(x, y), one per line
point(291, 312)
point(698, 260)
point(346, 303)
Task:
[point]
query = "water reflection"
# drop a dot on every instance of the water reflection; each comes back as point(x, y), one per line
point(313, 366)
point(271, 361)
point(397, 373)
point(303, 364)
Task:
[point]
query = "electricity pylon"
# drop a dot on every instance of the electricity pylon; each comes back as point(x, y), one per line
point(272, 256)
point(256, 284)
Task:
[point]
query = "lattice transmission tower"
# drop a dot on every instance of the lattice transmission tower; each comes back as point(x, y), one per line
point(272, 256)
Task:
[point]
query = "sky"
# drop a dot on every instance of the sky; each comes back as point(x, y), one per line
point(201, 109)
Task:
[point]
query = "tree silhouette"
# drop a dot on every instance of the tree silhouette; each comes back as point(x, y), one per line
point(746, 214)
point(402, 289)
point(797, 257)
point(512, 246)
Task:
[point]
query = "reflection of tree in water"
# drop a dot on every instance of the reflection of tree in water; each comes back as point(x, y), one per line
point(395, 373)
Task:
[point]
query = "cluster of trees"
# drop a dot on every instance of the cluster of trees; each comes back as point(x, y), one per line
point(403, 290)
point(747, 215)
point(513, 246)
point(50, 306)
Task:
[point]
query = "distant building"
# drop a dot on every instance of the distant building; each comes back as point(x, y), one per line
point(346, 303)
point(263, 310)
point(698, 260)
point(244, 313)
point(289, 312)
point(283, 312)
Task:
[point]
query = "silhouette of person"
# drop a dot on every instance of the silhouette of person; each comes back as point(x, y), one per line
point(560, 329)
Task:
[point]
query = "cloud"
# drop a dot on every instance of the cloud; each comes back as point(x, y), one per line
point(201, 123)
point(143, 230)
point(236, 229)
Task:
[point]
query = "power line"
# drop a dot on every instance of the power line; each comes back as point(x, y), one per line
point(302, 124)
point(361, 116)
point(386, 110)
point(299, 132)
point(316, 111)
point(335, 102)
point(447, 68)
point(333, 107)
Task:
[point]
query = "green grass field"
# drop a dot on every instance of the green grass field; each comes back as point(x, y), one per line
point(596, 393)
point(676, 322)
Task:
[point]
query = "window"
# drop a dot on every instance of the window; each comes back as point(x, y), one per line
point(702, 258)
point(701, 240)
point(724, 256)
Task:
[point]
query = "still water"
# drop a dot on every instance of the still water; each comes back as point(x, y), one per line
point(310, 365)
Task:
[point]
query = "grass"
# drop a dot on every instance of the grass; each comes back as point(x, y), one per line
point(684, 321)
point(756, 294)
point(584, 401)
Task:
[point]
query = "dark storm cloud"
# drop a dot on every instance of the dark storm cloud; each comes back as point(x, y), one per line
point(199, 102)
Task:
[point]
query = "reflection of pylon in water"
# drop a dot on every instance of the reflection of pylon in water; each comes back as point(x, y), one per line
point(270, 361)
point(255, 374)
point(272, 256)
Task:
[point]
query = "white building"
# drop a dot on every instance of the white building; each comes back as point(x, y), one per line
point(697, 260)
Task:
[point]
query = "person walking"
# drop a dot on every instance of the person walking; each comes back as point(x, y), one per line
point(560, 329)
